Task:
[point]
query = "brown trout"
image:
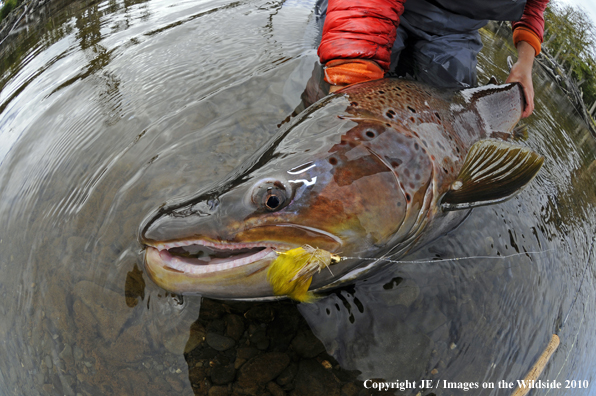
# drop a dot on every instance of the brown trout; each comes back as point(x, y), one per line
point(375, 170)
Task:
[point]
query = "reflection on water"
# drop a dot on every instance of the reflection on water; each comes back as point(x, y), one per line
point(108, 109)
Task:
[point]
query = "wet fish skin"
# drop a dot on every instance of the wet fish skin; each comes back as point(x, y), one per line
point(362, 172)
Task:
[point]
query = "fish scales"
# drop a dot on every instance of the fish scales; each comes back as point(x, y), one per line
point(421, 113)
point(377, 169)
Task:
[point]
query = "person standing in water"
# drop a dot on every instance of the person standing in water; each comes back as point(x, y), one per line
point(436, 41)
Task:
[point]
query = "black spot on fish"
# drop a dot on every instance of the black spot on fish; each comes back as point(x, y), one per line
point(358, 305)
point(412, 109)
point(445, 170)
point(416, 146)
point(440, 146)
point(413, 120)
point(424, 142)
point(408, 197)
point(381, 92)
point(354, 104)
point(437, 115)
point(398, 204)
point(328, 311)
point(392, 283)
point(396, 163)
point(388, 124)
point(333, 161)
point(512, 241)
point(457, 149)
point(370, 134)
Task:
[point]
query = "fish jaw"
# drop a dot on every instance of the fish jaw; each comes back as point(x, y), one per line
point(239, 273)
point(186, 275)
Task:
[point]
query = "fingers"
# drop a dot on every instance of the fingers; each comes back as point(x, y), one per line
point(528, 89)
point(529, 95)
point(521, 72)
point(524, 77)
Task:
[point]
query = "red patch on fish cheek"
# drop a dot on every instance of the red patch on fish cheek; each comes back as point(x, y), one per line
point(324, 212)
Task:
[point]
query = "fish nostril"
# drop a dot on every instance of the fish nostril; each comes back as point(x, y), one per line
point(213, 204)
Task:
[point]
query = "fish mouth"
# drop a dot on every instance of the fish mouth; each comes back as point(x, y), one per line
point(224, 268)
point(197, 257)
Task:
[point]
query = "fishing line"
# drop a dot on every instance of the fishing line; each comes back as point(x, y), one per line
point(544, 358)
point(580, 283)
point(570, 309)
point(524, 386)
point(436, 260)
point(447, 259)
point(570, 349)
point(291, 272)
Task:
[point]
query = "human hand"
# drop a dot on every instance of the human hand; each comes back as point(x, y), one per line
point(521, 72)
point(334, 88)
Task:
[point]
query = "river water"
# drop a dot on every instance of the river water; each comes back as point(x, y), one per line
point(108, 109)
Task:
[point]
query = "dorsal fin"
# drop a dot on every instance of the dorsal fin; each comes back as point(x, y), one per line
point(493, 172)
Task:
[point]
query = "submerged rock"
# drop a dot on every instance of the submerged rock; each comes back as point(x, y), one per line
point(313, 379)
point(219, 342)
point(262, 369)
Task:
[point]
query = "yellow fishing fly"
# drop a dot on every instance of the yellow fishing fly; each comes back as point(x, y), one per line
point(291, 273)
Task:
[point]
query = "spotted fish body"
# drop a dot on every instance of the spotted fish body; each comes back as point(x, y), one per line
point(375, 170)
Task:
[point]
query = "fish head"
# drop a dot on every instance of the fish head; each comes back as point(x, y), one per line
point(369, 172)
point(318, 184)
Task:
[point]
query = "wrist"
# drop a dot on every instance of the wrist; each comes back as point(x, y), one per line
point(529, 37)
point(525, 55)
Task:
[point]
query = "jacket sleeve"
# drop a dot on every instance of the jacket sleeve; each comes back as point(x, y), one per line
point(530, 27)
point(360, 29)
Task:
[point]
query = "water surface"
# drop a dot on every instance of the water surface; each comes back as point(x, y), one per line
point(108, 109)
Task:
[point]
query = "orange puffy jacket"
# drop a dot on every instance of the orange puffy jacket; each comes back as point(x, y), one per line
point(365, 30)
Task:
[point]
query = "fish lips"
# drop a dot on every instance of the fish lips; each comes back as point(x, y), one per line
point(229, 269)
point(242, 277)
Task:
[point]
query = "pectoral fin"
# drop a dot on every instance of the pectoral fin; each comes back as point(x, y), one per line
point(493, 172)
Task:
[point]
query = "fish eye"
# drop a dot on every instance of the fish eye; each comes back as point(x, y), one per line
point(274, 199)
point(270, 195)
